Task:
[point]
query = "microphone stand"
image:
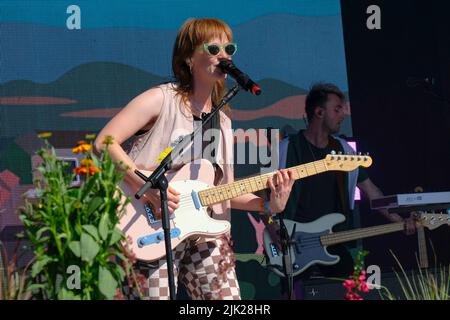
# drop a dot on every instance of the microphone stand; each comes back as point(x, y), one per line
point(157, 180)
point(286, 242)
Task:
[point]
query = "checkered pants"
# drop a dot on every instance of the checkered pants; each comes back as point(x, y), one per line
point(206, 269)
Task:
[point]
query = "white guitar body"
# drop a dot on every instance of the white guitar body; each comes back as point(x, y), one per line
point(190, 219)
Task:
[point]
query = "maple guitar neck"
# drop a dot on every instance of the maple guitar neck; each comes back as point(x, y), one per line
point(248, 185)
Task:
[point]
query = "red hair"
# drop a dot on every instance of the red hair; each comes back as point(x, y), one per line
point(193, 33)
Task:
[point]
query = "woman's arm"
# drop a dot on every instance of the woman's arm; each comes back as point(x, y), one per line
point(137, 114)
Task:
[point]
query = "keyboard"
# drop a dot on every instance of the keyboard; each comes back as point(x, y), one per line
point(413, 202)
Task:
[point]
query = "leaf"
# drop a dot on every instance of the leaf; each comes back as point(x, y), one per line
point(92, 230)
point(107, 283)
point(103, 226)
point(86, 188)
point(89, 248)
point(65, 294)
point(94, 204)
point(115, 236)
point(39, 265)
point(76, 248)
point(40, 231)
point(35, 286)
point(120, 272)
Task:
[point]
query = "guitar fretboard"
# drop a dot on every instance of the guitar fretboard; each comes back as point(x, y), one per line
point(345, 236)
point(235, 189)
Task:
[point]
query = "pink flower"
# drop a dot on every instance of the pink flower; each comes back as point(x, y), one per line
point(363, 287)
point(362, 276)
point(352, 296)
point(349, 284)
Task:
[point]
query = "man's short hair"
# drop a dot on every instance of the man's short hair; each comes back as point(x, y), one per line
point(318, 96)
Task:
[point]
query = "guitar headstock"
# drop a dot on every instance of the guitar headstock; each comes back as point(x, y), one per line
point(433, 220)
point(347, 162)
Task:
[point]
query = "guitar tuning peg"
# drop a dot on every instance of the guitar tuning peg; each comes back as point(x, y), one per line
point(367, 154)
point(359, 153)
point(333, 152)
point(340, 152)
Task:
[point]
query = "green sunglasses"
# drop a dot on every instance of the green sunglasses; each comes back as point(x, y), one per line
point(213, 49)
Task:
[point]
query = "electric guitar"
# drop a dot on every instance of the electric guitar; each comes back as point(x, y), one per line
point(194, 181)
point(310, 240)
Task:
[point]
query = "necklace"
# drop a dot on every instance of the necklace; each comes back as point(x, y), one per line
point(309, 147)
point(198, 111)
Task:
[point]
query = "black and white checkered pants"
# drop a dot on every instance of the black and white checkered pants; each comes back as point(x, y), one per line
point(206, 269)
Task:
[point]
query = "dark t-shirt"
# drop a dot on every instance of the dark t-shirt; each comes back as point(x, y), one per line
point(319, 194)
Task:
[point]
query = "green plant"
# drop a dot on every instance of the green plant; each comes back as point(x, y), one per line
point(13, 281)
point(425, 285)
point(73, 229)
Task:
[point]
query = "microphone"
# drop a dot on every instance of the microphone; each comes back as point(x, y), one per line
point(418, 81)
point(227, 66)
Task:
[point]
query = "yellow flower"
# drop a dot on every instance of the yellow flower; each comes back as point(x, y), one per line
point(93, 170)
point(108, 140)
point(82, 147)
point(87, 166)
point(81, 170)
point(45, 135)
point(87, 163)
point(90, 136)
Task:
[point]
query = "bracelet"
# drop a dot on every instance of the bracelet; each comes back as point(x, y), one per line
point(268, 213)
point(266, 208)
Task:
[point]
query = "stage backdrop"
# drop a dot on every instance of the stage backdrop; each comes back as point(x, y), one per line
point(69, 66)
